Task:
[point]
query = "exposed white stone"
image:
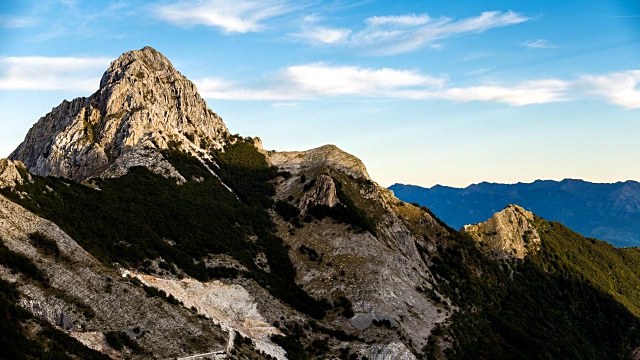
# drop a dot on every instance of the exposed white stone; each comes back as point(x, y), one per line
point(323, 192)
point(329, 155)
point(229, 305)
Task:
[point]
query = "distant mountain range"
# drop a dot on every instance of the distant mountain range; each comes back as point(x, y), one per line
point(608, 212)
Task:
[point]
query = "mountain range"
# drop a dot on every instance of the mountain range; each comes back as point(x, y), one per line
point(608, 212)
point(134, 225)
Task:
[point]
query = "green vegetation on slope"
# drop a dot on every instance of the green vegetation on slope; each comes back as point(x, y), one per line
point(613, 270)
point(347, 211)
point(145, 216)
point(548, 309)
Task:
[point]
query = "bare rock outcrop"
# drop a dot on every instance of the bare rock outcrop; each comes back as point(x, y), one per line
point(146, 157)
point(323, 192)
point(382, 273)
point(507, 234)
point(329, 155)
point(228, 305)
point(143, 102)
point(392, 351)
point(9, 174)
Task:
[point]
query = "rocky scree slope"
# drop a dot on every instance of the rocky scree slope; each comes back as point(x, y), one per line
point(356, 245)
point(89, 301)
point(143, 103)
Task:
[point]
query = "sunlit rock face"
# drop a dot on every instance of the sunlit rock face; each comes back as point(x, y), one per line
point(143, 103)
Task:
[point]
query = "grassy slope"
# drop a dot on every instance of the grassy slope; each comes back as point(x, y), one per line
point(612, 270)
point(560, 303)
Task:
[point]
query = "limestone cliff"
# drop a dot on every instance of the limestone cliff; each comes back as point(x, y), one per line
point(381, 271)
point(10, 173)
point(506, 235)
point(329, 155)
point(323, 192)
point(142, 103)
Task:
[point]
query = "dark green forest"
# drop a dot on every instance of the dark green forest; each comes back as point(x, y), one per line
point(560, 303)
point(141, 215)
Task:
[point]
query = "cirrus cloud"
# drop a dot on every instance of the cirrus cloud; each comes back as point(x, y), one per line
point(231, 16)
point(390, 35)
point(319, 80)
point(538, 44)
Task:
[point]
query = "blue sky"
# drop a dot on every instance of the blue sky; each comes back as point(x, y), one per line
point(425, 92)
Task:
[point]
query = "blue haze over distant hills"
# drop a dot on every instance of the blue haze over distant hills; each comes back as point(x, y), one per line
point(608, 212)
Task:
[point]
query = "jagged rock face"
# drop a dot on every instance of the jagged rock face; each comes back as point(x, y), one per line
point(323, 192)
point(148, 158)
point(143, 102)
point(392, 351)
point(9, 174)
point(382, 274)
point(506, 235)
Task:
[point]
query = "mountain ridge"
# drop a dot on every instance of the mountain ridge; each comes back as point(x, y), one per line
point(183, 248)
point(609, 211)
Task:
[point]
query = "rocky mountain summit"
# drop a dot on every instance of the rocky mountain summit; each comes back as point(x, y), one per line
point(507, 234)
point(143, 103)
point(133, 226)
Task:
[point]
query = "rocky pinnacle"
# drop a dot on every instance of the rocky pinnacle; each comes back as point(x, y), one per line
point(142, 105)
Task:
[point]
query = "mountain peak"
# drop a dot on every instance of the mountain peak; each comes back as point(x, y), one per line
point(326, 155)
point(138, 63)
point(143, 103)
point(507, 234)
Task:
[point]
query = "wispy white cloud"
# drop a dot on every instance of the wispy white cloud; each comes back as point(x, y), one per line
point(324, 35)
point(285, 104)
point(478, 72)
point(51, 73)
point(538, 44)
point(620, 88)
point(231, 16)
point(526, 93)
point(216, 88)
point(322, 80)
point(389, 35)
point(329, 80)
point(401, 20)
point(11, 22)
